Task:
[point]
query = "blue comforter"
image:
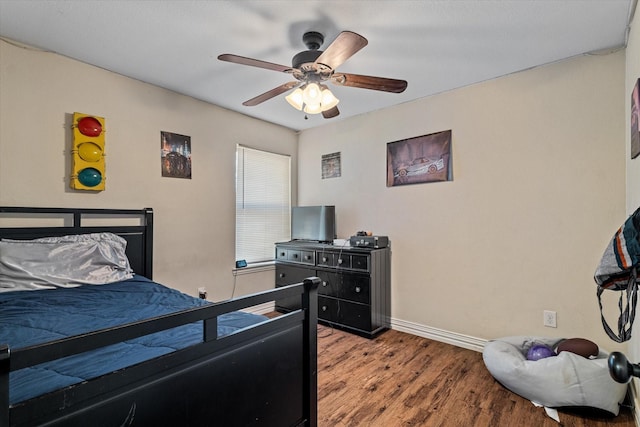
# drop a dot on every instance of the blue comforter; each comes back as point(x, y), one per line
point(34, 317)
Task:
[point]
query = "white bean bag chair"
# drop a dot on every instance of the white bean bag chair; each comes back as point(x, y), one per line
point(565, 380)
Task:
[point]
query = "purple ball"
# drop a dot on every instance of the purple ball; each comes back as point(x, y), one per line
point(540, 351)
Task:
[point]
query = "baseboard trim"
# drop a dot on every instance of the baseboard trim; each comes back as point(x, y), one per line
point(453, 338)
point(264, 308)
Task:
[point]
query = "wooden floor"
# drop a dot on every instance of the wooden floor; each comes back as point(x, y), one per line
point(399, 379)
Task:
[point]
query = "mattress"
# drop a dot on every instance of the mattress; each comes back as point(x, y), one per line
point(34, 317)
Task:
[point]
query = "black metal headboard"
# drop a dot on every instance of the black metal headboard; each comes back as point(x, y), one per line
point(81, 221)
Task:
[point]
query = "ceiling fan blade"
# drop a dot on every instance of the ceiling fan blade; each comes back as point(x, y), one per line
point(331, 113)
point(370, 82)
point(236, 59)
point(270, 94)
point(342, 48)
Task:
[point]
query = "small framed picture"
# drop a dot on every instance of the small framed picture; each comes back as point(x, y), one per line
point(175, 155)
point(331, 165)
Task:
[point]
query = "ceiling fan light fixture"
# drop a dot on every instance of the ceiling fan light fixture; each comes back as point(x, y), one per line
point(312, 99)
point(312, 108)
point(295, 99)
point(311, 95)
point(328, 100)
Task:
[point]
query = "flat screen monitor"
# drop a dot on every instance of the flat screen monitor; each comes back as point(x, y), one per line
point(313, 223)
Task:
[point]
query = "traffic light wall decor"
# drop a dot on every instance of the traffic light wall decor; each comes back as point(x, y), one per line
point(87, 153)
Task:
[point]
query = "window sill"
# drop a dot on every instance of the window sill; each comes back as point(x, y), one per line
point(256, 267)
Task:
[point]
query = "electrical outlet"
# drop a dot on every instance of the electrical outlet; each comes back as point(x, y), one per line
point(549, 319)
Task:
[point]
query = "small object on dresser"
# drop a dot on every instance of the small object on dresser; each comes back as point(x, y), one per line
point(341, 242)
point(375, 242)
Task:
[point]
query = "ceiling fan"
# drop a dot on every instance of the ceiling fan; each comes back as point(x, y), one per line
point(312, 68)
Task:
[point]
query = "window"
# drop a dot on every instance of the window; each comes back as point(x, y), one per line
point(263, 203)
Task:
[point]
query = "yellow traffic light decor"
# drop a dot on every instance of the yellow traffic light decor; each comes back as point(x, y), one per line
point(87, 153)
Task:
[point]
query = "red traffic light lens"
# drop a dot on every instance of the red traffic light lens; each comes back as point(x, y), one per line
point(89, 126)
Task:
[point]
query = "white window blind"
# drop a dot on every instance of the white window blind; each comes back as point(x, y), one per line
point(263, 203)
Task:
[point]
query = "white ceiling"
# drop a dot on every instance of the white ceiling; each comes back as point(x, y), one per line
point(436, 45)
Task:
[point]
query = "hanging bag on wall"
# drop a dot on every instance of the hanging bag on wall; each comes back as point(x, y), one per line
point(618, 271)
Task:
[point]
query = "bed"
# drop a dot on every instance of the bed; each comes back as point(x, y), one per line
point(97, 354)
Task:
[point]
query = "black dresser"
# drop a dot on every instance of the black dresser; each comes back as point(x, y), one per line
point(355, 293)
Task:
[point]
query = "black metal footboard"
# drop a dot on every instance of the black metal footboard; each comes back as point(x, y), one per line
point(265, 375)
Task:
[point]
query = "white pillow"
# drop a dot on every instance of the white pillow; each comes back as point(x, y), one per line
point(67, 261)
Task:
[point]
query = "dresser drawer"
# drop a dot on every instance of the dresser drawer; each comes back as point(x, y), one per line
point(308, 257)
point(282, 254)
point(343, 260)
point(353, 315)
point(296, 255)
point(290, 274)
point(360, 262)
point(326, 259)
point(293, 255)
point(352, 287)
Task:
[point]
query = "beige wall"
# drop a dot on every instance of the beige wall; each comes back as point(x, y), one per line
point(538, 189)
point(632, 73)
point(195, 232)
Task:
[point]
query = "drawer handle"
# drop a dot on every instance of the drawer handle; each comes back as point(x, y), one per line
point(307, 257)
point(324, 284)
point(295, 255)
point(358, 289)
point(283, 253)
point(339, 260)
point(324, 308)
point(324, 259)
point(282, 275)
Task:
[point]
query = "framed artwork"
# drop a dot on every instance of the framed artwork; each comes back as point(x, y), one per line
point(420, 159)
point(635, 120)
point(176, 155)
point(331, 165)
